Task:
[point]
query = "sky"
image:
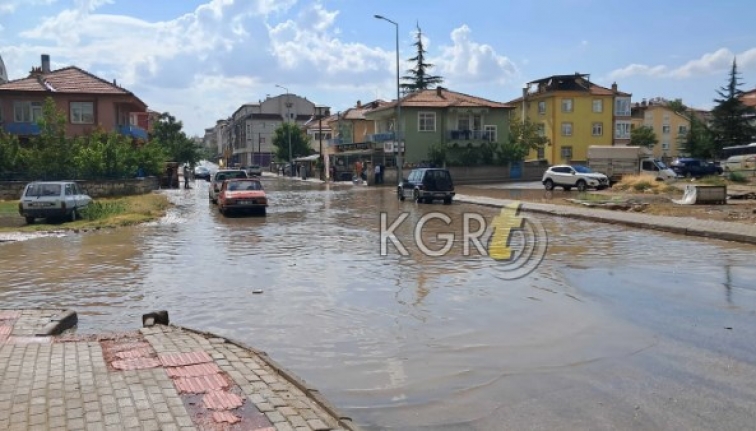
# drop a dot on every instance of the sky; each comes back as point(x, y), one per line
point(201, 59)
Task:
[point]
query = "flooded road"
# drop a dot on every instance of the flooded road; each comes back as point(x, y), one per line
point(616, 329)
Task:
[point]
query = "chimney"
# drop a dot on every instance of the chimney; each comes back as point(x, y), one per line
point(438, 91)
point(45, 63)
point(614, 87)
point(359, 104)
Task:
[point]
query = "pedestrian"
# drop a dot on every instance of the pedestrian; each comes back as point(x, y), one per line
point(186, 176)
point(377, 172)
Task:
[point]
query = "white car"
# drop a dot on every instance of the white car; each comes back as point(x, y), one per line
point(52, 199)
point(567, 177)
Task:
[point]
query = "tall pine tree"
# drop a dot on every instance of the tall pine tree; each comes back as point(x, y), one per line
point(731, 118)
point(418, 78)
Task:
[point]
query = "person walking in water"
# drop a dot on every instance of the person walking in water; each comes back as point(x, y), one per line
point(186, 176)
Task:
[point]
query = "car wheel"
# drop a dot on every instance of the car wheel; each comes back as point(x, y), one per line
point(29, 220)
point(567, 188)
point(582, 186)
point(400, 195)
point(447, 201)
point(263, 212)
point(548, 184)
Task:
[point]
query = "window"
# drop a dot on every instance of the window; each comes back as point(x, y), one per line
point(426, 122)
point(648, 117)
point(666, 118)
point(542, 107)
point(682, 129)
point(82, 113)
point(598, 105)
point(665, 145)
point(665, 129)
point(566, 105)
point(622, 107)
point(541, 129)
point(490, 134)
point(622, 130)
point(566, 152)
point(27, 112)
point(566, 129)
point(468, 122)
point(541, 153)
point(598, 129)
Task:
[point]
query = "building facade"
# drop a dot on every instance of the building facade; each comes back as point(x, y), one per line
point(574, 113)
point(89, 102)
point(670, 127)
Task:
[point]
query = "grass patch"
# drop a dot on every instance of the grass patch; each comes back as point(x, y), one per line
point(713, 180)
point(594, 197)
point(737, 177)
point(101, 213)
point(642, 184)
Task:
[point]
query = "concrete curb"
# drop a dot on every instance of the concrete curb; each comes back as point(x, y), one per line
point(67, 320)
point(562, 211)
point(344, 421)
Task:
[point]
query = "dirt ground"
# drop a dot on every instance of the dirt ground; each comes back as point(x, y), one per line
point(736, 210)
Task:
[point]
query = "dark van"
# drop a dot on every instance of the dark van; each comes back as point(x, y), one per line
point(427, 185)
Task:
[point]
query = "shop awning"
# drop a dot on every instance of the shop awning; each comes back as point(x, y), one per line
point(356, 152)
point(311, 158)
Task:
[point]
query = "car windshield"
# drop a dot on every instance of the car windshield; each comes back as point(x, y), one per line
point(582, 169)
point(661, 164)
point(244, 185)
point(44, 190)
point(230, 175)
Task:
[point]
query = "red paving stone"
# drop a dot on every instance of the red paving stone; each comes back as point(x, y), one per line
point(5, 329)
point(116, 347)
point(181, 359)
point(226, 416)
point(9, 315)
point(207, 369)
point(135, 364)
point(218, 400)
point(201, 384)
point(141, 352)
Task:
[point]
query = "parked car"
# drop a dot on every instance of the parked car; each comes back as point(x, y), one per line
point(219, 177)
point(427, 185)
point(693, 168)
point(567, 177)
point(254, 171)
point(242, 195)
point(203, 173)
point(740, 163)
point(52, 199)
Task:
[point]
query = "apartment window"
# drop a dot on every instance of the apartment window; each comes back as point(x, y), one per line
point(567, 105)
point(27, 112)
point(665, 145)
point(566, 129)
point(542, 107)
point(541, 129)
point(622, 130)
point(491, 134)
point(665, 129)
point(681, 130)
point(469, 122)
point(82, 113)
point(566, 152)
point(622, 107)
point(598, 105)
point(598, 129)
point(426, 122)
point(541, 153)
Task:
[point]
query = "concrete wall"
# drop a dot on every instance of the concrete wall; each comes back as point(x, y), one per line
point(11, 190)
point(476, 175)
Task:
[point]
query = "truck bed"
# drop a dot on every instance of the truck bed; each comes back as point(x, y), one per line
point(614, 168)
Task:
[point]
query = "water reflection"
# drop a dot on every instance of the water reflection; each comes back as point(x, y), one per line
point(396, 340)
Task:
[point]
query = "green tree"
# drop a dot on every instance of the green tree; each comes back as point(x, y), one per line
point(730, 123)
point(524, 136)
point(178, 147)
point(643, 136)
point(677, 105)
point(11, 158)
point(437, 153)
point(698, 141)
point(418, 78)
point(300, 143)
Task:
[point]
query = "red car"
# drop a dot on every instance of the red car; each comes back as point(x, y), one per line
point(242, 195)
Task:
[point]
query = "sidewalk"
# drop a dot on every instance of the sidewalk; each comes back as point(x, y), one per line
point(162, 377)
point(729, 231)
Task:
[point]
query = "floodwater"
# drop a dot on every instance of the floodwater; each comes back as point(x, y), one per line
point(616, 329)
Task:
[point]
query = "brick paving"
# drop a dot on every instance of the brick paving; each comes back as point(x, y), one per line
point(724, 230)
point(157, 378)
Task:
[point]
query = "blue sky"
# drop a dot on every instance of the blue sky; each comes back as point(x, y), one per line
point(201, 59)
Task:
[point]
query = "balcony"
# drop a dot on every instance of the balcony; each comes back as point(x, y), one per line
point(469, 135)
point(132, 131)
point(380, 137)
point(334, 142)
point(22, 129)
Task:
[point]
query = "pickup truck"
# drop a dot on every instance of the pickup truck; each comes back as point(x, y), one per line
point(694, 168)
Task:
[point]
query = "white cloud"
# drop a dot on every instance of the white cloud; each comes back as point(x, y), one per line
point(711, 63)
point(472, 62)
point(10, 6)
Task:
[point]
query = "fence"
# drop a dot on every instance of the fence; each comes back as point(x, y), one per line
point(11, 190)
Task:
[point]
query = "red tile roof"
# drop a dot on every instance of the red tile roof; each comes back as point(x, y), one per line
point(749, 98)
point(443, 98)
point(66, 80)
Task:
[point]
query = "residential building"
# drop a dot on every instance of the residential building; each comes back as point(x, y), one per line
point(87, 101)
point(748, 98)
point(669, 126)
point(3, 72)
point(352, 138)
point(574, 113)
point(439, 116)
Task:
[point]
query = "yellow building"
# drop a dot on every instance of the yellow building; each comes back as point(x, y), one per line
point(670, 126)
point(574, 113)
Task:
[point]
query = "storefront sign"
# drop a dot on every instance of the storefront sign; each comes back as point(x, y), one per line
point(352, 147)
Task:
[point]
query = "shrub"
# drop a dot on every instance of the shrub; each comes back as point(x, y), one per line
point(737, 177)
point(102, 209)
point(642, 186)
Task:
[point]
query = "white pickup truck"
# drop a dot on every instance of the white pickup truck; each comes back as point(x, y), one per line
point(616, 161)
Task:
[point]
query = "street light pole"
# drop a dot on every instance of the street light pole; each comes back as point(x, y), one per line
point(397, 128)
point(288, 130)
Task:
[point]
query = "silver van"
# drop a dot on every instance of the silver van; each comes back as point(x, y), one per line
point(740, 163)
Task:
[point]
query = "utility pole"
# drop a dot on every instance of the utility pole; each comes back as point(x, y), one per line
point(288, 129)
point(259, 148)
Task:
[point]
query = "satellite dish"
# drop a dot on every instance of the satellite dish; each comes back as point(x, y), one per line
point(3, 72)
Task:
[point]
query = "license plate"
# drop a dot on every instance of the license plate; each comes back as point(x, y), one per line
point(245, 202)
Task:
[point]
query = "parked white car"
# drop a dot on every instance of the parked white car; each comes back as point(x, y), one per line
point(567, 177)
point(52, 199)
